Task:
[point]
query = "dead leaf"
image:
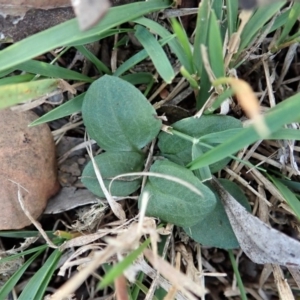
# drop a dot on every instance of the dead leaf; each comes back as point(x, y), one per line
point(69, 198)
point(261, 243)
point(27, 158)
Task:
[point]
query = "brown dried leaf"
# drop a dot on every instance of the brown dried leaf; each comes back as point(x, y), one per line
point(261, 243)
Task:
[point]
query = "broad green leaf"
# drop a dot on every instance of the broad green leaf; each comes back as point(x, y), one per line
point(70, 107)
point(68, 33)
point(119, 268)
point(12, 281)
point(38, 283)
point(288, 195)
point(110, 165)
point(285, 112)
point(156, 53)
point(215, 230)
point(12, 94)
point(118, 116)
point(180, 150)
point(174, 203)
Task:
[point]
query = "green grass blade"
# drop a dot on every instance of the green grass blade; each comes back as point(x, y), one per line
point(139, 78)
point(288, 195)
point(256, 23)
point(72, 106)
point(26, 252)
point(184, 41)
point(12, 281)
point(164, 33)
point(97, 37)
point(215, 47)
point(118, 269)
point(68, 32)
point(284, 113)
point(237, 275)
point(202, 28)
point(137, 58)
point(23, 234)
point(293, 16)
point(16, 79)
point(37, 285)
point(156, 53)
point(48, 70)
point(101, 67)
point(232, 16)
point(12, 94)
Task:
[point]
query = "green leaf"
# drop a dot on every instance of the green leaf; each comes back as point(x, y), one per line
point(72, 106)
point(215, 47)
point(173, 43)
point(156, 53)
point(288, 195)
point(184, 41)
point(284, 113)
point(180, 151)
point(118, 269)
point(174, 203)
point(232, 16)
point(110, 165)
point(68, 33)
point(12, 281)
point(12, 94)
point(16, 79)
point(118, 116)
point(290, 22)
point(48, 70)
point(215, 230)
point(26, 252)
point(202, 29)
point(257, 21)
point(38, 283)
point(101, 67)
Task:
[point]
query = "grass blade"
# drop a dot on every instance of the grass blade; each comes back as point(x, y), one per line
point(48, 70)
point(101, 67)
point(72, 106)
point(12, 94)
point(12, 282)
point(156, 53)
point(288, 195)
point(164, 34)
point(37, 285)
point(285, 112)
point(68, 33)
point(118, 269)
